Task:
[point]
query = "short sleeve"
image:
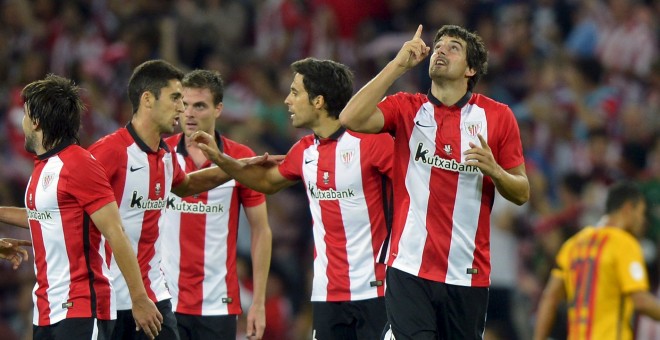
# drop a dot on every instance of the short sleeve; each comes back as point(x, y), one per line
point(382, 151)
point(631, 268)
point(291, 166)
point(88, 184)
point(510, 153)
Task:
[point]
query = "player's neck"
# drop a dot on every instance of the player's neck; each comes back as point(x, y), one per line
point(147, 131)
point(326, 127)
point(449, 92)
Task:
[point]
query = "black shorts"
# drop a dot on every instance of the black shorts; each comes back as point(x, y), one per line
point(75, 328)
point(423, 309)
point(216, 327)
point(363, 319)
point(125, 327)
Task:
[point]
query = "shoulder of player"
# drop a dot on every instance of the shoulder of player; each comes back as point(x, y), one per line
point(490, 105)
point(173, 140)
point(236, 149)
point(112, 140)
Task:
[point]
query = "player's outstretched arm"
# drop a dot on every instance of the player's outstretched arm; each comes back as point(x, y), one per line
point(146, 315)
point(15, 216)
point(361, 113)
point(257, 173)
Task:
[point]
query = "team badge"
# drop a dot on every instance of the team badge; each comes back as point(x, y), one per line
point(346, 156)
point(473, 128)
point(47, 180)
point(326, 177)
point(157, 189)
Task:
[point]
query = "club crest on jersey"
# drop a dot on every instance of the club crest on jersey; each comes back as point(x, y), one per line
point(473, 128)
point(346, 156)
point(326, 177)
point(157, 189)
point(47, 180)
point(447, 149)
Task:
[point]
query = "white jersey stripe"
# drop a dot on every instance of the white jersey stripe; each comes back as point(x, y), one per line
point(57, 295)
point(468, 198)
point(409, 259)
point(357, 239)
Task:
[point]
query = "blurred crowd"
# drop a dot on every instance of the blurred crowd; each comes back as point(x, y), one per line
point(581, 76)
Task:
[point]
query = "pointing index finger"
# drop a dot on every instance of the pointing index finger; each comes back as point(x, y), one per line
point(418, 34)
point(482, 140)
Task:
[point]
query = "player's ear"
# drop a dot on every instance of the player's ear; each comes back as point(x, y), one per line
point(147, 99)
point(318, 102)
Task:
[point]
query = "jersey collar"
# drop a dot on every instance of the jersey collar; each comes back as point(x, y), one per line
point(54, 151)
point(334, 136)
point(181, 146)
point(143, 146)
point(460, 103)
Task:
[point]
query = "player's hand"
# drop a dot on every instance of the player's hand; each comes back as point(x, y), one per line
point(10, 250)
point(266, 160)
point(147, 317)
point(413, 51)
point(256, 322)
point(207, 144)
point(482, 157)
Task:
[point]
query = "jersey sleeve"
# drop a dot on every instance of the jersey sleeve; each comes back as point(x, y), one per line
point(390, 107)
point(291, 166)
point(510, 153)
point(89, 185)
point(107, 156)
point(382, 151)
point(631, 268)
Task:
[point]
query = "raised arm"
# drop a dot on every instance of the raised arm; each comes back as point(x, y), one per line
point(147, 317)
point(553, 294)
point(14, 216)
point(261, 245)
point(361, 113)
point(260, 176)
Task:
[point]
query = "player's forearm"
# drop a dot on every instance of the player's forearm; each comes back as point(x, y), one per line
point(355, 116)
point(553, 294)
point(261, 247)
point(252, 176)
point(202, 180)
point(15, 216)
point(512, 186)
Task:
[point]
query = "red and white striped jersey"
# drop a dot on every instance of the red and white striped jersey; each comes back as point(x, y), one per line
point(73, 280)
point(141, 180)
point(441, 228)
point(343, 176)
point(200, 234)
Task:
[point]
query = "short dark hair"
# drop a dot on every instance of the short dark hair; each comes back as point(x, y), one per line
point(477, 54)
point(205, 79)
point(621, 193)
point(327, 78)
point(55, 104)
point(152, 76)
